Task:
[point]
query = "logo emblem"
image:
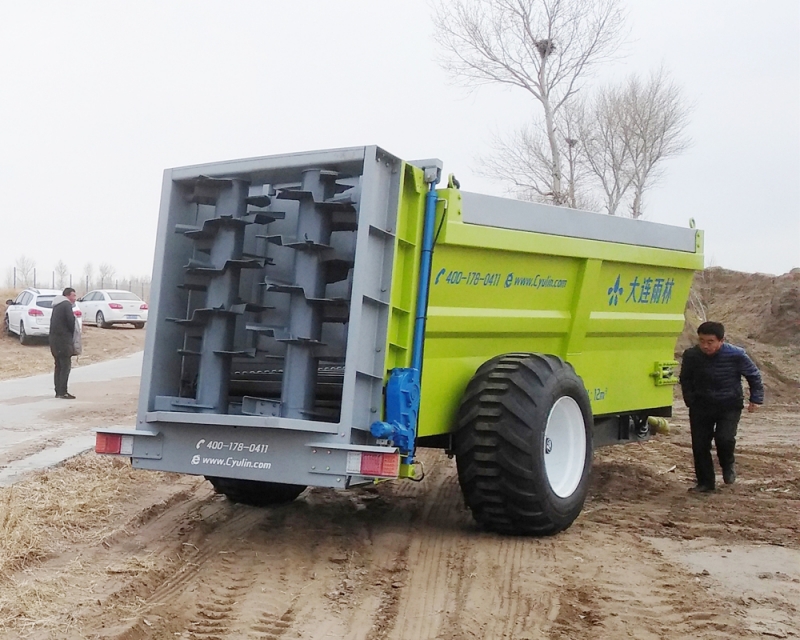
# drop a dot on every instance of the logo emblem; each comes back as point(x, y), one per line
point(615, 292)
point(548, 445)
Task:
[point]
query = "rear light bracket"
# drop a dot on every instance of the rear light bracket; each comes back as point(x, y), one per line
point(137, 443)
point(354, 461)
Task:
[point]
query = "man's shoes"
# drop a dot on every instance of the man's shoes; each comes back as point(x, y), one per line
point(66, 396)
point(701, 488)
point(729, 475)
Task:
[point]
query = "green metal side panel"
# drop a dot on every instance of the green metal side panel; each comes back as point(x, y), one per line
point(614, 311)
point(405, 269)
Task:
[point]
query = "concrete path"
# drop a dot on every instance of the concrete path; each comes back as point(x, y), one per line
point(38, 430)
point(41, 386)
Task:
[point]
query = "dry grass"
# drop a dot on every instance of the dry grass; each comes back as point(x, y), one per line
point(37, 604)
point(76, 501)
point(6, 294)
point(81, 502)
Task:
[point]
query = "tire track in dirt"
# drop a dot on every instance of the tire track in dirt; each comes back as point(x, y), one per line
point(251, 571)
point(194, 563)
point(191, 540)
point(500, 593)
point(270, 626)
point(512, 606)
point(216, 601)
point(460, 583)
point(218, 593)
point(433, 565)
point(149, 513)
point(628, 585)
point(283, 554)
point(375, 540)
point(401, 560)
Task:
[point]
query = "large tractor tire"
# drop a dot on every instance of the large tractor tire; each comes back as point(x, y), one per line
point(255, 493)
point(524, 444)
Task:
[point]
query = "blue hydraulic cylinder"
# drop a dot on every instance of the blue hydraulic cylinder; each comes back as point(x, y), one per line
point(403, 388)
point(402, 408)
point(426, 259)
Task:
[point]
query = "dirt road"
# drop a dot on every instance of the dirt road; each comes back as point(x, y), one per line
point(95, 549)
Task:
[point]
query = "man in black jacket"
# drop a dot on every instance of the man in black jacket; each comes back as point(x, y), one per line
point(62, 336)
point(711, 381)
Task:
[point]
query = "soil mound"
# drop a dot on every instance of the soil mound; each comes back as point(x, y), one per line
point(761, 313)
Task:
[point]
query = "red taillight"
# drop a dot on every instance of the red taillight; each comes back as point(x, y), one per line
point(114, 444)
point(143, 307)
point(382, 465)
point(77, 313)
point(114, 305)
point(35, 312)
point(107, 443)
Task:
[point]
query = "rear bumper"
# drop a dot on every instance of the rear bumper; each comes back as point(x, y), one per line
point(121, 317)
point(37, 329)
point(283, 454)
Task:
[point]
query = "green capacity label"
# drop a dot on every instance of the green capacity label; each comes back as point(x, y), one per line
point(507, 280)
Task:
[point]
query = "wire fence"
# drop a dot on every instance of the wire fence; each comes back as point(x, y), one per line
point(82, 284)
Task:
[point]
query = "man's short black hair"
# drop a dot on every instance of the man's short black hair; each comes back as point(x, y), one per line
point(712, 329)
point(67, 291)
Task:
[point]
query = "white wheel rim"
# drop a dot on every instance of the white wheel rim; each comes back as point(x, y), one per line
point(564, 447)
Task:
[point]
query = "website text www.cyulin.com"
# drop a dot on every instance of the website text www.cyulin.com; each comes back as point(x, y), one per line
point(232, 462)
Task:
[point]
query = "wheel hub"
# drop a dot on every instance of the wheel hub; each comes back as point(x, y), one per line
point(565, 447)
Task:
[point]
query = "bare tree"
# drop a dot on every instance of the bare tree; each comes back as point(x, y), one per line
point(701, 296)
point(61, 271)
point(25, 269)
point(656, 117)
point(578, 172)
point(107, 273)
point(523, 159)
point(625, 131)
point(604, 145)
point(145, 286)
point(546, 47)
point(88, 276)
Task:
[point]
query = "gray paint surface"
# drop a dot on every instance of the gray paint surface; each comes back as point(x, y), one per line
point(287, 329)
point(505, 213)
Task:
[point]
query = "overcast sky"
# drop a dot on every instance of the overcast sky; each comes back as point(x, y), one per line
point(98, 98)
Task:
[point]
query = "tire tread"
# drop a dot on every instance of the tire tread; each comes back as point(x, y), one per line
point(494, 444)
point(255, 493)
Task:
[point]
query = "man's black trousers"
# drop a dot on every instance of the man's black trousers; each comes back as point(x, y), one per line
point(719, 425)
point(63, 363)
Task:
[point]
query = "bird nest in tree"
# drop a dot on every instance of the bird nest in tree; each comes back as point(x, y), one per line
point(545, 47)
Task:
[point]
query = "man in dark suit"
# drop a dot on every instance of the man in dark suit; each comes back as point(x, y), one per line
point(62, 340)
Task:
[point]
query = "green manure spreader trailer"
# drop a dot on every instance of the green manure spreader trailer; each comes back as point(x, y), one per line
point(318, 317)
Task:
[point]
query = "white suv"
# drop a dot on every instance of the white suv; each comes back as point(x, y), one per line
point(28, 315)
